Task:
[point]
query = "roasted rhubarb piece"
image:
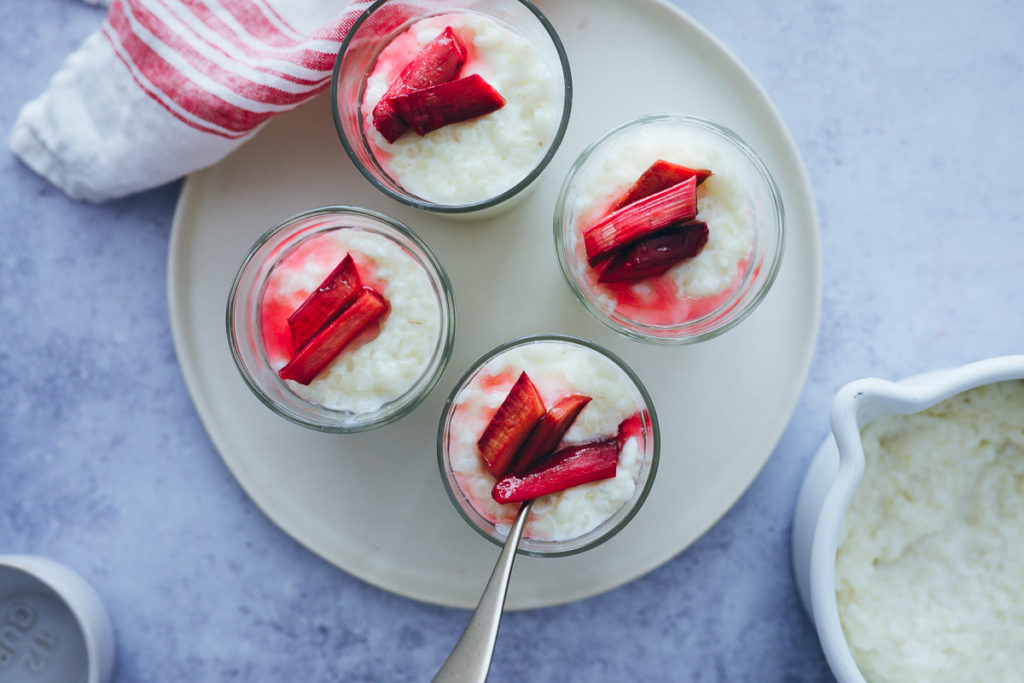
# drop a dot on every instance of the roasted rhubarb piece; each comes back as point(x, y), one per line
point(568, 467)
point(518, 414)
point(550, 430)
point(642, 218)
point(656, 254)
point(332, 339)
point(660, 175)
point(336, 292)
point(438, 62)
point(437, 106)
point(629, 428)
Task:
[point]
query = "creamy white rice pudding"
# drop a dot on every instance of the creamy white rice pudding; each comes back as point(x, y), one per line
point(475, 160)
point(931, 553)
point(556, 369)
point(387, 358)
point(697, 285)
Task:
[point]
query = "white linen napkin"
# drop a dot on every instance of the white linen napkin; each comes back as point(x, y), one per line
point(166, 87)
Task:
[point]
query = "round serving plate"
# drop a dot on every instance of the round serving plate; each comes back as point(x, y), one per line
point(373, 503)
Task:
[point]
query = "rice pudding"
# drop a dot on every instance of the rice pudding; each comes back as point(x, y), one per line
point(557, 368)
point(930, 556)
point(669, 229)
point(696, 285)
point(478, 159)
point(387, 357)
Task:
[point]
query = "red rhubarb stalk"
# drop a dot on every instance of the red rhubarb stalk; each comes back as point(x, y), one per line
point(642, 218)
point(438, 61)
point(518, 414)
point(336, 292)
point(550, 430)
point(630, 428)
point(660, 175)
point(656, 254)
point(568, 467)
point(437, 106)
point(332, 339)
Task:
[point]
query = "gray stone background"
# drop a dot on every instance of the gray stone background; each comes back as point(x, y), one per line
point(909, 120)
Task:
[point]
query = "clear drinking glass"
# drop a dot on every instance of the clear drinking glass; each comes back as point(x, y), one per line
point(458, 485)
point(374, 30)
point(706, 318)
point(245, 310)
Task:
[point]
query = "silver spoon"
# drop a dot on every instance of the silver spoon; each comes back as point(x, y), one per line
point(470, 660)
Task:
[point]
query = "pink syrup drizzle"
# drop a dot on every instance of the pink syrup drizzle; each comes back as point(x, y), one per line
point(501, 383)
point(654, 300)
point(321, 254)
point(394, 58)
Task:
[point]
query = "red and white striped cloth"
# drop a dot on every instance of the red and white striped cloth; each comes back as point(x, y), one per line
point(166, 87)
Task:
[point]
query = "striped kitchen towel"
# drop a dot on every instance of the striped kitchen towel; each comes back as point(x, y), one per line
point(166, 87)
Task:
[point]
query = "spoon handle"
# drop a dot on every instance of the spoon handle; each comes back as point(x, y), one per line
point(471, 658)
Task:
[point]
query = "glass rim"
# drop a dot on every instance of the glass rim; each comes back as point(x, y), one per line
point(426, 205)
point(394, 409)
point(654, 439)
point(649, 333)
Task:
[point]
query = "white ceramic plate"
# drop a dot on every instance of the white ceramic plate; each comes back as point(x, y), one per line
point(373, 503)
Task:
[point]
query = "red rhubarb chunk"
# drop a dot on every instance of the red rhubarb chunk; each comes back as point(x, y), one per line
point(332, 339)
point(656, 254)
point(438, 61)
point(336, 292)
point(568, 467)
point(630, 428)
point(432, 108)
point(660, 175)
point(642, 218)
point(550, 430)
point(518, 414)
